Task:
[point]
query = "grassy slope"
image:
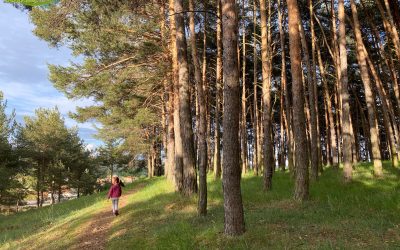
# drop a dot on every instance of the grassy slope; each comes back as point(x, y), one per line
point(363, 214)
point(50, 227)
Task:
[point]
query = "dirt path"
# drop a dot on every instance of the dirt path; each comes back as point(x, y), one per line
point(94, 235)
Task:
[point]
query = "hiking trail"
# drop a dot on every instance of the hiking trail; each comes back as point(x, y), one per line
point(95, 232)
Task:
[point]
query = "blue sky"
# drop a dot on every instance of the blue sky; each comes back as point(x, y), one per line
point(24, 73)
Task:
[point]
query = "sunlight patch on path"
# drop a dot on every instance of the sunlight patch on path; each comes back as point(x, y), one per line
point(93, 234)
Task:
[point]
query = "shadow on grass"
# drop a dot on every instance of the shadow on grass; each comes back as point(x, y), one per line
point(361, 214)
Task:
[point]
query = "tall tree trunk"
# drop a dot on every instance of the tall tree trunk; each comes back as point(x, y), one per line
point(337, 87)
point(202, 129)
point(389, 25)
point(257, 157)
point(164, 123)
point(313, 115)
point(188, 156)
point(266, 97)
point(281, 152)
point(395, 8)
point(158, 169)
point(364, 123)
point(170, 161)
point(285, 120)
point(288, 123)
point(301, 182)
point(327, 136)
point(206, 88)
point(344, 94)
point(217, 143)
point(386, 112)
point(315, 89)
point(178, 171)
point(373, 127)
point(153, 160)
point(392, 73)
point(243, 129)
point(355, 143)
point(332, 135)
point(233, 207)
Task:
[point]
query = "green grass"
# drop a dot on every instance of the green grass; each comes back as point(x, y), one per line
point(364, 214)
point(50, 227)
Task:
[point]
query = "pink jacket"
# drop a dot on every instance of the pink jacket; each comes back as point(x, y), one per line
point(115, 191)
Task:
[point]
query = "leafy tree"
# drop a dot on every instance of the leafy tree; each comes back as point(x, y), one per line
point(55, 155)
point(11, 190)
point(122, 70)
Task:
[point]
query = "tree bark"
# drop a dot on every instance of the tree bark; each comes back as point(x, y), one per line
point(386, 112)
point(332, 156)
point(188, 152)
point(233, 207)
point(170, 161)
point(206, 88)
point(266, 97)
point(202, 129)
point(389, 25)
point(257, 157)
point(344, 94)
point(301, 192)
point(243, 129)
point(288, 120)
point(217, 143)
point(311, 104)
point(373, 128)
point(178, 170)
point(285, 115)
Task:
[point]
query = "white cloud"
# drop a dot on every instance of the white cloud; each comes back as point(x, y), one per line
point(24, 72)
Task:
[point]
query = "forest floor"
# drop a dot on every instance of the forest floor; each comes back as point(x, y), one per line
point(364, 214)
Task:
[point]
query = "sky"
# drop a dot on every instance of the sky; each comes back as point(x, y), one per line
point(24, 73)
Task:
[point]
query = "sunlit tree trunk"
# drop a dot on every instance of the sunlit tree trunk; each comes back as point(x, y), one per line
point(202, 128)
point(334, 129)
point(188, 151)
point(217, 144)
point(150, 164)
point(243, 129)
point(266, 94)
point(386, 111)
point(373, 127)
point(389, 25)
point(285, 115)
point(301, 181)
point(233, 207)
point(315, 89)
point(206, 88)
point(257, 156)
point(178, 170)
point(344, 93)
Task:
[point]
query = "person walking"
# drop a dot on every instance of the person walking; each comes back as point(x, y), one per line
point(114, 193)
